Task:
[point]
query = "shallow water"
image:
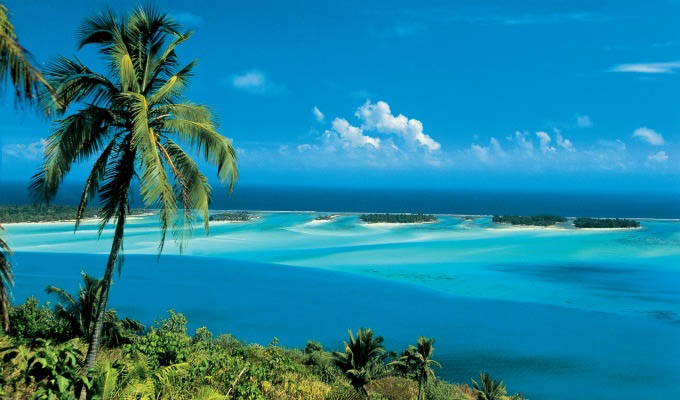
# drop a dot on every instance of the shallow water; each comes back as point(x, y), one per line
point(557, 313)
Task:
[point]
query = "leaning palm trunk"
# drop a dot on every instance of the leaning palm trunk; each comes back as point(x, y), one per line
point(93, 348)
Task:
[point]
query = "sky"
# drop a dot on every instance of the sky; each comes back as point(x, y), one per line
point(540, 95)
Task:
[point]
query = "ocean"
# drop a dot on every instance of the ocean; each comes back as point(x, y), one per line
point(557, 313)
point(459, 201)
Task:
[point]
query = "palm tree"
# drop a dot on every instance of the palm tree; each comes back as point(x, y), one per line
point(128, 119)
point(418, 359)
point(15, 66)
point(80, 313)
point(360, 357)
point(489, 389)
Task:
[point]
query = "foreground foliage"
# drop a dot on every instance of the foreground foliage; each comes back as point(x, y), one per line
point(166, 362)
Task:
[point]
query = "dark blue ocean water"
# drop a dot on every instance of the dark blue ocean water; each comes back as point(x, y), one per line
point(464, 201)
point(546, 352)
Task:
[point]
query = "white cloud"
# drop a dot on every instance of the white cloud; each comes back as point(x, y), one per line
point(544, 140)
point(525, 145)
point(256, 82)
point(318, 114)
point(648, 68)
point(304, 147)
point(481, 152)
point(379, 117)
point(584, 121)
point(659, 157)
point(496, 146)
point(352, 135)
point(31, 151)
point(564, 143)
point(649, 135)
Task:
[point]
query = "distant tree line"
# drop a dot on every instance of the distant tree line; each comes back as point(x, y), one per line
point(533, 220)
point(324, 217)
point(10, 213)
point(397, 218)
point(605, 223)
point(240, 216)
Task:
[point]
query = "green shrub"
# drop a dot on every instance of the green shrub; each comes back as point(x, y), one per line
point(30, 321)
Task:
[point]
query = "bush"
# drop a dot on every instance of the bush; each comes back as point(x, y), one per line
point(30, 321)
point(394, 388)
point(165, 344)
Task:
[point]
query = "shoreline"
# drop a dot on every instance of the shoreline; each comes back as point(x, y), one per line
point(463, 217)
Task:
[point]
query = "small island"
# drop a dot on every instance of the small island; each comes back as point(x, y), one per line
point(528, 220)
point(325, 217)
point(604, 223)
point(241, 216)
point(16, 213)
point(398, 218)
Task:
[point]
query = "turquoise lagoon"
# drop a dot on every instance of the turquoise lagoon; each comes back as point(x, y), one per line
point(557, 313)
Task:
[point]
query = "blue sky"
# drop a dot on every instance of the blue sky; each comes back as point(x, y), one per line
point(532, 94)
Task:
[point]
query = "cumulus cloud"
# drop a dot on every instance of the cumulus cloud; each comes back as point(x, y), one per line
point(525, 145)
point(649, 135)
point(658, 157)
point(318, 114)
point(304, 147)
point(256, 82)
point(564, 143)
point(496, 146)
point(481, 152)
point(31, 151)
point(648, 68)
point(379, 117)
point(544, 142)
point(352, 136)
point(584, 121)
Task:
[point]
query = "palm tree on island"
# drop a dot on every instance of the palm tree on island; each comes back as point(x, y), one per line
point(132, 120)
point(419, 360)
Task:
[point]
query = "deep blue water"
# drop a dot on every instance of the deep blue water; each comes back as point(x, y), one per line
point(546, 352)
point(459, 201)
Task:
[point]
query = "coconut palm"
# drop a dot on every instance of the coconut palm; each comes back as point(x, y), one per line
point(358, 360)
point(418, 360)
point(489, 389)
point(132, 120)
point(80, 312)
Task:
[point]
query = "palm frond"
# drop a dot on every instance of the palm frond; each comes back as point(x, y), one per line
point(215, 148)
point(75, 82)
point(155, 187)
point(15, 64)
point(75, 138)
point(197, 186)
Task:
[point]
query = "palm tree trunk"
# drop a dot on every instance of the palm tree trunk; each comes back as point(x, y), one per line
point(93, 347)
point(420, 387)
